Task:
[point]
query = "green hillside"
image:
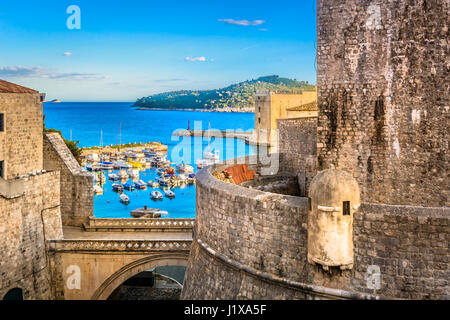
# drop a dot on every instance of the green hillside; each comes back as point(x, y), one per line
point(239, 97)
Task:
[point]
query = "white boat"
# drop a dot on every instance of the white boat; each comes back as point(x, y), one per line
point(124, 198)
point(208, 155)
point(156, 195)
point(185, 168)
point(123, 175)
point(153, 184)
point(134, 173)
point(163, 181)
point(169, 193)
point(113, 176)
point(98, 190)
point(121, 165)
point(204, 163)
point(211, 155)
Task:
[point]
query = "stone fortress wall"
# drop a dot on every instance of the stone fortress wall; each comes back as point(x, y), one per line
point(77, 200)
point(21, 140)
point(27, 220)
point(383, 97)
point(29, 196)
point(251, 244)
point(383, 117)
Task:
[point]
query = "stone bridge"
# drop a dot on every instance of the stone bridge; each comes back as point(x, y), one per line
point(91, 262)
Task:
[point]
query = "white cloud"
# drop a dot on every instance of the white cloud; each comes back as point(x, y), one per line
point(202, 59)
point(243, 22)
point(67, 54)
point(43, 73)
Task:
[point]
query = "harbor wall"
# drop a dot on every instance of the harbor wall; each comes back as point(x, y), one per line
point(383, 97)
point(27, 219)
point(77, 194)
point(250, 244)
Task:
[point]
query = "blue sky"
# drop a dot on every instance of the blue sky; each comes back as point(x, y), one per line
point(129, 49)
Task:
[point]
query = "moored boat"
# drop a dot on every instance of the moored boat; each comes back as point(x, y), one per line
point(124, 198)
point(117, 187)
point(169, 193)
point(140, 185)
point(98, 190)
point(156, 195)
point(128, 186)
point(185, 168)
point(202, 163)
point(113, 177)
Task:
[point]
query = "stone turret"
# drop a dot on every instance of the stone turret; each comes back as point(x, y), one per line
point(334, 197)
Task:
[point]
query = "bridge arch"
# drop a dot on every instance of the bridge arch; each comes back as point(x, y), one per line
point(136, 267)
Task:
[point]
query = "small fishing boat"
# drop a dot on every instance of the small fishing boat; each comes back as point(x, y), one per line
point(202, 163)
point(156, 195)
point(153, 184)
point(183, 177)
point(128, 186)
point(185, 168)
point(113, 177)
point(123, 175)
point(98, 190)
point(124, 199)
point(163, 181)
point(134, 173)
point(117, 187)
point(160, 171)
point(170, 171)
point(169, 193)
point(141, 185)
point(106, 165)
point(208, 155)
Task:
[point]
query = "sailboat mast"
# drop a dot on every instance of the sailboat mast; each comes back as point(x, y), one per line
point(101, 138)
point(119, 137)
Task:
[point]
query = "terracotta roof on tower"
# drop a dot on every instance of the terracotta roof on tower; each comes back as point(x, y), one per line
point(8, 87)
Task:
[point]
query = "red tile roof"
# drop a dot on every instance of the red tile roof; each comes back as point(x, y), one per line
point(8, 87)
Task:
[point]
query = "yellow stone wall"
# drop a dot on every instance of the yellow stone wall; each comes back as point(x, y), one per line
point(269, 107)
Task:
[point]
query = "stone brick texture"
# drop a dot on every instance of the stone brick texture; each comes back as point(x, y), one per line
point(298, 148)
point(383, 97)
point(268, 233)
point(25, 223)
point(21, 140)
point(77, 195)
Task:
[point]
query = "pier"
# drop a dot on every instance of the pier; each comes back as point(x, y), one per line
point(248, 136)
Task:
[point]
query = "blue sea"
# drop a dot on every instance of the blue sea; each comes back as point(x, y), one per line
point(91, 122)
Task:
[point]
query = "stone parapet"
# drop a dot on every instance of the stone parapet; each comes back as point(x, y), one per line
point(139, 225)
point(125, 246)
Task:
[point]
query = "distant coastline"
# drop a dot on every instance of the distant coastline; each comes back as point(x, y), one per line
point(194, 110)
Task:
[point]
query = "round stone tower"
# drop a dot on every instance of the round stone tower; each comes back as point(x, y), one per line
point(334, 197)
point(382, 71)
